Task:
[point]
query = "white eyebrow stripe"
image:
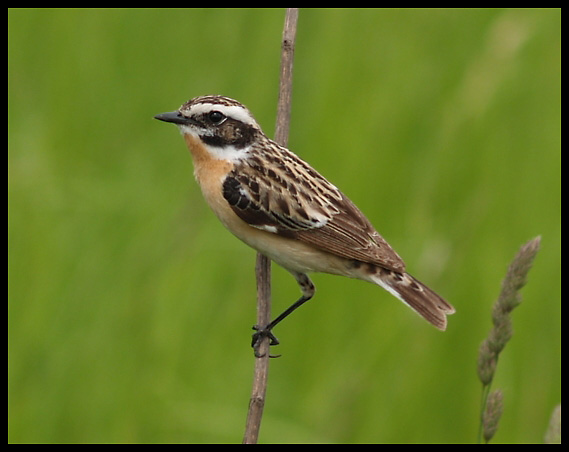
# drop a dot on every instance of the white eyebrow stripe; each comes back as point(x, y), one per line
point(232, 111)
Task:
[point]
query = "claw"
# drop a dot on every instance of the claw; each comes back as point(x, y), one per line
point(308, 292)
point(258, 337)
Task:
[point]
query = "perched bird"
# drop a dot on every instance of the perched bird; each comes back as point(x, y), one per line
point(279, 205)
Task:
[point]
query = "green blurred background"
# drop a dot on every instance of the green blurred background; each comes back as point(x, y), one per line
point(130, 306)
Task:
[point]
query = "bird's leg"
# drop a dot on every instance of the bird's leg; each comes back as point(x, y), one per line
point(308, 290)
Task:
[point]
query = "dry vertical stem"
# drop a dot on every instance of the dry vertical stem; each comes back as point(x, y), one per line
point(492, 414)
point(509, 298)
point(285, 90)
point(263, 266)
point(499, 335)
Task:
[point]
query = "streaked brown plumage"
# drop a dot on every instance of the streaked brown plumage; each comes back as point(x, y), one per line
point(278, 204)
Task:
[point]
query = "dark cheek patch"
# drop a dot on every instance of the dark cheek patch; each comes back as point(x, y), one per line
point(231, 133)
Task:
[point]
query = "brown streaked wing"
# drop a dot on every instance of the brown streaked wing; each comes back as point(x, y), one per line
point(349, 234)
point(331, 223)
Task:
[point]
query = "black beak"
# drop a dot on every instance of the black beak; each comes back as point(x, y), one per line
point(174, 116)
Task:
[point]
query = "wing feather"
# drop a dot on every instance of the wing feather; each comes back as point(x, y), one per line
point(293, 200)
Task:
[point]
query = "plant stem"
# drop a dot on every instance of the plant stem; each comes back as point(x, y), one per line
point(263, 265)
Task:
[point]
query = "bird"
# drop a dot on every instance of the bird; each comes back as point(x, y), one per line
point(278, 204)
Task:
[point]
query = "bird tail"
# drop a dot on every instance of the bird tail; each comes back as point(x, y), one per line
point(414, 294)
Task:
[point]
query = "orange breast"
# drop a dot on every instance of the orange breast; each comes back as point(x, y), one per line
point(291, 254)
point(210, 173)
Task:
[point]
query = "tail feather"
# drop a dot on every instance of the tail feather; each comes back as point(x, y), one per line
point(414, 294)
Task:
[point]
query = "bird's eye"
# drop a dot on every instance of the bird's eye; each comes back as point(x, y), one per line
point(216, 117)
